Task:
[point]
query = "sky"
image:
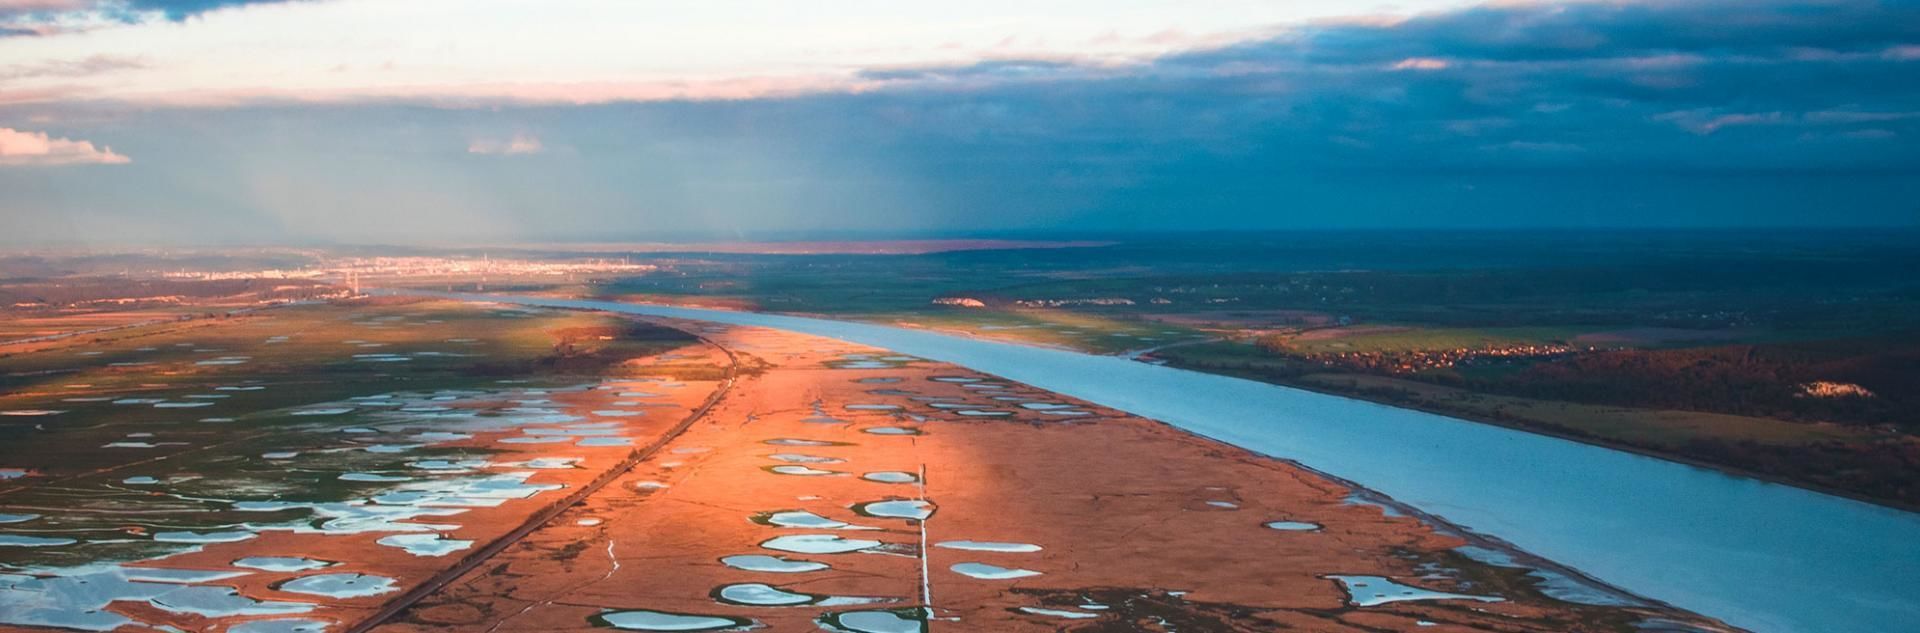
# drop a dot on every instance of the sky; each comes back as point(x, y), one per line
point(454, 121)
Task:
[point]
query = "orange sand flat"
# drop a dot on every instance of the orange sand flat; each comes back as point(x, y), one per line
point(1141, 527)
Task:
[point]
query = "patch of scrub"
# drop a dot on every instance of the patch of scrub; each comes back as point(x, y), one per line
point(989, 546)
point(892, 477)
point(991, 572)
point(1368, 591)
point(818, 544)
point(644, 620)
point(772, 564)
point(340, 585)
point(281, 563)
point(913, 509)
point(1293, 526)
point(425, 544)
point(876, 621)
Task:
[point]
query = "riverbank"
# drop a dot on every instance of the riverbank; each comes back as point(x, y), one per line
point(1405, 398)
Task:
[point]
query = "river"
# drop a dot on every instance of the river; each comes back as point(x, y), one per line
point(1759, 555)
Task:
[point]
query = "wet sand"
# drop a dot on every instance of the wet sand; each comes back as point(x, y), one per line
point(600, 425)
point(1046, 514)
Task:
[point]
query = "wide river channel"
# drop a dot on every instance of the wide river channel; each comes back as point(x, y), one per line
point(1758, 555)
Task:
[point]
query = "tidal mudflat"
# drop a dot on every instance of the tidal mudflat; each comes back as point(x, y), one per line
point(763, 516)
point(317, 487)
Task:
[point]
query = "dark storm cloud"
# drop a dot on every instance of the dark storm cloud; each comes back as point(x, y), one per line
point(1771, 112)
point(1716, 84)
point(1545, 32)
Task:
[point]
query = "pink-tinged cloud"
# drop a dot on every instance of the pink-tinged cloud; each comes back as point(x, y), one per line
point(21, 148)
point(518, 145)
point(1421, 63)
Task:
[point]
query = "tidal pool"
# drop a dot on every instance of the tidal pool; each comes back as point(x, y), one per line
point(425, 544)
point(772, 564)
point(281, 563)
point(787, 441)
point(818, 544)
point(1368, 591)
point(892, 477)
point(1293, 526)
point(877, 621)
point(803, 471)
point(644, 620)
point(798, 519)
point(22, 540)
point(755, 594)
point(913, 509)
point(991, 572)
point(373, 477)
point(228, 536)
point(797, 458)
point(1059, 613)
point(340, 585)
point(295, 625)
point(989, 546)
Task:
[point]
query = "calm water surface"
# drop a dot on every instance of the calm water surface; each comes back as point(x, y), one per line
point(1758, 555)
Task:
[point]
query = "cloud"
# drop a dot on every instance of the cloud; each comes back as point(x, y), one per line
point(52, 17)
point(518, 145)
point(88, 66)
point(21, 148)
